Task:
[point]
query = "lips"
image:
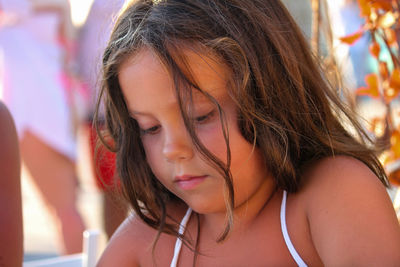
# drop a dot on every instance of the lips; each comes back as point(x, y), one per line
point(188, 182)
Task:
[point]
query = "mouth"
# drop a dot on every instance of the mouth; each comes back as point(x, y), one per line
point(188, 182)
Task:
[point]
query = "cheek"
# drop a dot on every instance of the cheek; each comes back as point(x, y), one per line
point(240, 148)
point(213, 139)
point(153, 155)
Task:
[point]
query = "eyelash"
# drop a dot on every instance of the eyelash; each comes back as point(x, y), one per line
point(200, 120)
point(205, 118)
point(151, 130)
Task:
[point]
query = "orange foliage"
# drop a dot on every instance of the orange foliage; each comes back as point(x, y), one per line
point(375, 49)
point(394, 177)
point(391, 36)
point(395, 79)
point(395, 143)
point(383, 70)
point(386, 20)
point(372, 88)
point(352, 38)
point(366, 6)
point(382, 21)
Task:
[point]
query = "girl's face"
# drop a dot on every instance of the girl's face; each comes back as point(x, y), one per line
point(150, 97)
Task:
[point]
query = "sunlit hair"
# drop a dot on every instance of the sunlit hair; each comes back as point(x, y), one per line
point(286, 107)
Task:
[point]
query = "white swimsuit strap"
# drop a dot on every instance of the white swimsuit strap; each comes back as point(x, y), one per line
point(285, 233)
point(289, 244)
point(178, 243)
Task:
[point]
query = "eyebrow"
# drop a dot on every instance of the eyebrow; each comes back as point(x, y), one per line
point(198, 97)
point(135, 113)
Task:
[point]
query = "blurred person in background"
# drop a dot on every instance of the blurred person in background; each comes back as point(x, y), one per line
point(92, 40)
point(11, 245)
point(35, 45)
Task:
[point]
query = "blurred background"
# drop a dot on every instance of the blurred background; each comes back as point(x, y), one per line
point(365, 57)
point(49, 54)
point(40, 234)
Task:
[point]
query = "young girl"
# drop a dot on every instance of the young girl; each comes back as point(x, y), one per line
point(229, 144)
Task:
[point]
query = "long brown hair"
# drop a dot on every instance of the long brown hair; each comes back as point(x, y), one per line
point(286, 106)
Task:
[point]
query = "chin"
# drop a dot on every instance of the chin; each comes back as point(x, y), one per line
point(206, 207)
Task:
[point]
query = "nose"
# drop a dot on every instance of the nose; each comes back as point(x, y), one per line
point(178, 145)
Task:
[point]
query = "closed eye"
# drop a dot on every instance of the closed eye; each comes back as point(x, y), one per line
point(205, 118)
point(151, 130)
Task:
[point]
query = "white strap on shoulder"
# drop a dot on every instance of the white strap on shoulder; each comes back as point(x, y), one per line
point(285, 233)
point(178, 244)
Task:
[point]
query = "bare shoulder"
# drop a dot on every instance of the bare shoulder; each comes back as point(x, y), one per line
point(350, 214)
point(132, 244)
point(341, 171)
point(127, 243)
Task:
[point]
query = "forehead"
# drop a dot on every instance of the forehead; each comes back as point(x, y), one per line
point(144, 76)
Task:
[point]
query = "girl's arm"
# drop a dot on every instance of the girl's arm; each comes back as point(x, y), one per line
point(124, 246)
point(351, 217)
point(11, 251)
point(132, 244)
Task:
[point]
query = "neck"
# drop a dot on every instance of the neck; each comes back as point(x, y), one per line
point(245, 213)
